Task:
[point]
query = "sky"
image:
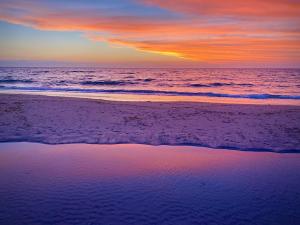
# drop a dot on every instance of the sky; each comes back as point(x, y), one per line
point(150, 33)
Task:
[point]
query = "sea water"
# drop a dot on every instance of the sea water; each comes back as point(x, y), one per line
point(241, 85)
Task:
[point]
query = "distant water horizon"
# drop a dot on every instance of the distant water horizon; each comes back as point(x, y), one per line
point(154, 84)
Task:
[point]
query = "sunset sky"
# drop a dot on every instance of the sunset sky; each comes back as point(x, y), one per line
point(155, 33)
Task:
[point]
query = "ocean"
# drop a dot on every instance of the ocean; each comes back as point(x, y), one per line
point(280, 86)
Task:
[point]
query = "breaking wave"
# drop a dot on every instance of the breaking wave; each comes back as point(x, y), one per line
point(152, 92)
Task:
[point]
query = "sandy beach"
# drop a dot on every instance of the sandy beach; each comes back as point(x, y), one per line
point(60, 120)
point(153, 112)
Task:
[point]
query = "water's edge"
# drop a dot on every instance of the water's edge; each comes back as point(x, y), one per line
point(230, 148)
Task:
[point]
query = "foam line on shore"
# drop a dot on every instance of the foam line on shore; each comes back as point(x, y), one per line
point(152, 92)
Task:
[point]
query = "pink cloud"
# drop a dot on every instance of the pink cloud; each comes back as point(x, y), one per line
point(195, 37)
point(276, 9)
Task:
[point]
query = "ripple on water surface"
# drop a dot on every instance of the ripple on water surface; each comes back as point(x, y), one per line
point(137, 184)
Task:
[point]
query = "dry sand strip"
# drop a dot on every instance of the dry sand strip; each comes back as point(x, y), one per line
point(58, 120)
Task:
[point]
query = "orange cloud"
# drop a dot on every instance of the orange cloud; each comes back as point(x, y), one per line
point(224, 50)
point(199, 36)
point(277, 9)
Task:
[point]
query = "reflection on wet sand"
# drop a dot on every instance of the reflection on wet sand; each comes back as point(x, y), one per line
point(139, 184)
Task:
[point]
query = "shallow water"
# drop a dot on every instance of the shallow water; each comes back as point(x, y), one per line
point(138, 184)
point(242, 85)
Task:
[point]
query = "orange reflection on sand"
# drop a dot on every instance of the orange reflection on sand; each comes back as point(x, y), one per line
point(159, 98)
point(78, 161)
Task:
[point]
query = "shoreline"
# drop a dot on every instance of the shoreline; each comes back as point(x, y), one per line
point(221, 148)
point(66, 120)
point(121, 97)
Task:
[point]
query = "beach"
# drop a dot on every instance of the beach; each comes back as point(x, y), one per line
point(143, 185)
point(152, 112)
point(62, 120)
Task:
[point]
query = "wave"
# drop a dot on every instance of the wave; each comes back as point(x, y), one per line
point(106, 82)
point(80, 71)
point(127, 73)
point(13, 81)
point(42, 71)
point(146, 80)
point(152, 92)
point(219, 85)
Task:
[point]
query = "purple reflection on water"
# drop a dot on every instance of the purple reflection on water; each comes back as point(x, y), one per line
point(138, 184)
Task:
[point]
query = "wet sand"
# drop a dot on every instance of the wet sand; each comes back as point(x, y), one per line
point(145, 185)
point(58, 120)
